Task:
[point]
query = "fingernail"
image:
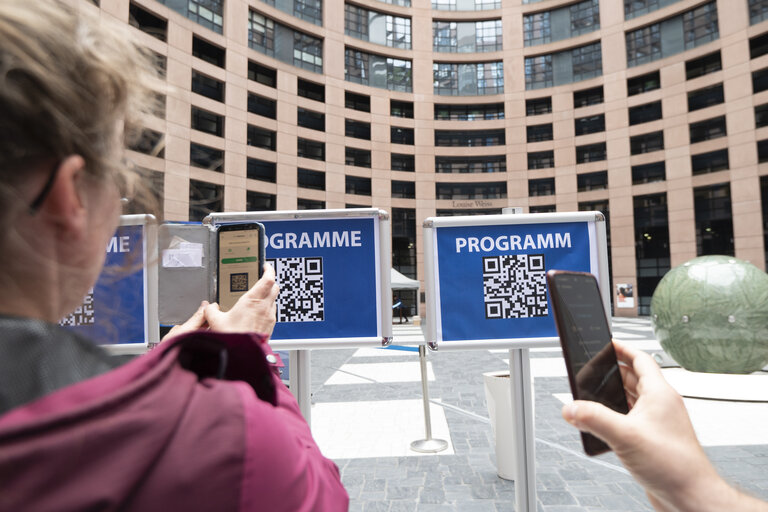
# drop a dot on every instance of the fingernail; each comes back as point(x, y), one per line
point(570, 413)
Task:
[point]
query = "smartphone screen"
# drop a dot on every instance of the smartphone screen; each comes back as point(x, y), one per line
point(585, 336)
point(240, 261)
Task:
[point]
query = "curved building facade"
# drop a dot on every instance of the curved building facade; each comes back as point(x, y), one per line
point(651, 111)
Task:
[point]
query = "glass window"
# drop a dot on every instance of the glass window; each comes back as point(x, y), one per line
point(563, 67)
point(474, 112)
point(295, 48)
point(538, 106)
point(646, 143)
point(307, 178)
point(399, 135)
point(651, 246)
point(208, 13)
point(712, 161)
point(356, 101)
point(590, 153)
point(309, 204)
point(307, 52)
point(261, 33)
point(643, 45)
point(633, 8)
point(761, 115)
point(706, 97)
point(643, 83)
point(377, 27)
point(406, 163)
point(401, 109)
point(539, 132)
point(262, 106)
point(377, 71)
point(538, 72)
point(645, 113)
point(589, 124)
point(404, 189)
point(541, 187)
point(357, 157)
point(542, 208)
point(537, 28)
point(207, 86)
point(311, 90)
point(262, 74)
point(714, 225)
point(700, 25)
point(758, 11)
point(208, 52)
point(470, 138)
point(708, 129)
point(762, 151)
point(261, 137)
point(147, 22)
point(585, 17)
point(206, 157)
point(467, 165)
point(207, 122)
point(592, 181)
point(760, 80)
point(356, 21)
point(357, 129)
point(204, 198)
point(493, 190)
point(261, 170)
point(648, 173)
point(705, 65)
point(541, 160)
point(454, 79)
point(150, 143)
point(310, 10)
point(444, 36)
point(258, 202)
point(479, 5)
point(398, 32)
point(488, 36)
point(357, 185)
point(307, 148)
point(586, 97)
point(310, 119)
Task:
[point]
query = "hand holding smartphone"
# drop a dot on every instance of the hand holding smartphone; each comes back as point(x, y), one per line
point(585, 337)
point(240, 261)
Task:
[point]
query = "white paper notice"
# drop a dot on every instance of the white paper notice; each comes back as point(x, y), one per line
point(184, 254)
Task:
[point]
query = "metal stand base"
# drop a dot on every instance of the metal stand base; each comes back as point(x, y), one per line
point(429, 445)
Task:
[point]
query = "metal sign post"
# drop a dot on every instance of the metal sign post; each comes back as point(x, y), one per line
point(486, 288)
point(428, 444)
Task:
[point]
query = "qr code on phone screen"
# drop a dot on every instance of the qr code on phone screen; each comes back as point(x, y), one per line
point(83, 315)
point(515, 286)
point(238, 282)
point(301, 297)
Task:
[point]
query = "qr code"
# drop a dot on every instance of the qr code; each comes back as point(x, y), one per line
point(515, 286)
point(238, 282)
point(83, 315)
point(301, 296)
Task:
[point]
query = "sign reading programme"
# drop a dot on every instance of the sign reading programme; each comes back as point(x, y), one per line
point(488, 273)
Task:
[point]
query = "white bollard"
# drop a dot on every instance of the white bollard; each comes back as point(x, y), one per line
point(498, 396)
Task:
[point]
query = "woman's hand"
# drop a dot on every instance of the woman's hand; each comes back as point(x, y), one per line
point(195, 322)
point(255, 311)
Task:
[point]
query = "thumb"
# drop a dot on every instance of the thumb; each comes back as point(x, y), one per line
point(596, 419)
point(213, 313)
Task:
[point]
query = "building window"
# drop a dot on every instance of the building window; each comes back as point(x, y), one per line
point(207, 122)
point(404, 245)
point(401, 109)
point(262, 106)
point(542, 208)
point(307, 178)
point(645, 113)
point(706, 97)
point(147, 22)
point(377, 71)
point(651, 246)
point(470, 138)
point(590, 153)
point(293, 47)
point(700, 25)
point(467, 37)
point(308, 148)
point(493, 190)
point(541, 160)
point(537, 28)
point(634, 8)
point(708, 129)
point(470, 79)
point(150, 143)
point(541, 187)
point(762, 151)
point(355, 101)
point(466, 165)
point(587, 97)
point(592, 181)
point(357, 157)
point(648, 173)
point(204, 198)
point(262, 74)
point(261, 137)
point(760, 80)
point(465, 5)
point(310, 10)
point(310, 90)
point(261, 33)
point(258, 202)
point(404, 189)
point(377, 27)
point(714, 225)
point(207, 86)
point(208, 13)
point(758, 11)
point(357, 129)
point(564, 67)
point(568, 22)
point(399, 135)
point(646, 143)
point(208, 52)
point(643, 83)
point(406, 163)
point(585, 17)
point(357, 185)
point(475, 112)
point(206, 157)
point(307, 52)
point(589, 124)
point(761, 115)
point(539, 132)
point(261, 170)
point(310, 119)
point(538, 106)
point(709, 63)
point(712, 161)
point(309, 204)
point(643, 45)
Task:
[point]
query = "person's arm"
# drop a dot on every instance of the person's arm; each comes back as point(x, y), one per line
point(657, 443)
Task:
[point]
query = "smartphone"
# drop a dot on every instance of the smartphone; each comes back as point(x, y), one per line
point(585, 336)
point(240, 261)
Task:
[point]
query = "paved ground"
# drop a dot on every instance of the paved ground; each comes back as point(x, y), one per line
point(367, 409)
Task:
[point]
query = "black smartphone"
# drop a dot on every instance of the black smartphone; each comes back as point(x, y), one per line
point(240, 260)
point(585, 336)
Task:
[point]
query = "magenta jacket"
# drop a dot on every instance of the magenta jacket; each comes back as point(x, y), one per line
point(163, 432)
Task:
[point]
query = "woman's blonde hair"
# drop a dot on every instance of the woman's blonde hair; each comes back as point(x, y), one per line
point(69, 84)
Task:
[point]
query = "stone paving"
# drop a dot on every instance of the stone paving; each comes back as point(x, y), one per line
point(567, 480)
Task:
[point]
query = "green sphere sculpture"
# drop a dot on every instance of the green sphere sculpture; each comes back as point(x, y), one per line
point(711, 315)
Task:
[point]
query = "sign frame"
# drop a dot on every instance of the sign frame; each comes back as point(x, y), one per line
point(598, 265)
point(383, 254)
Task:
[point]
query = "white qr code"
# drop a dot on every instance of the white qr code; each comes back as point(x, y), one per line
point(83, 315)
point(515, 286)
point(301, 297)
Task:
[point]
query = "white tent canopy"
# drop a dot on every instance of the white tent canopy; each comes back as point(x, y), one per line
point(399, 282)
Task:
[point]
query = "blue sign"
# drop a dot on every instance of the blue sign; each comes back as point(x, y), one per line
point(114, 312)
point(491, 279)
point(327, 270)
